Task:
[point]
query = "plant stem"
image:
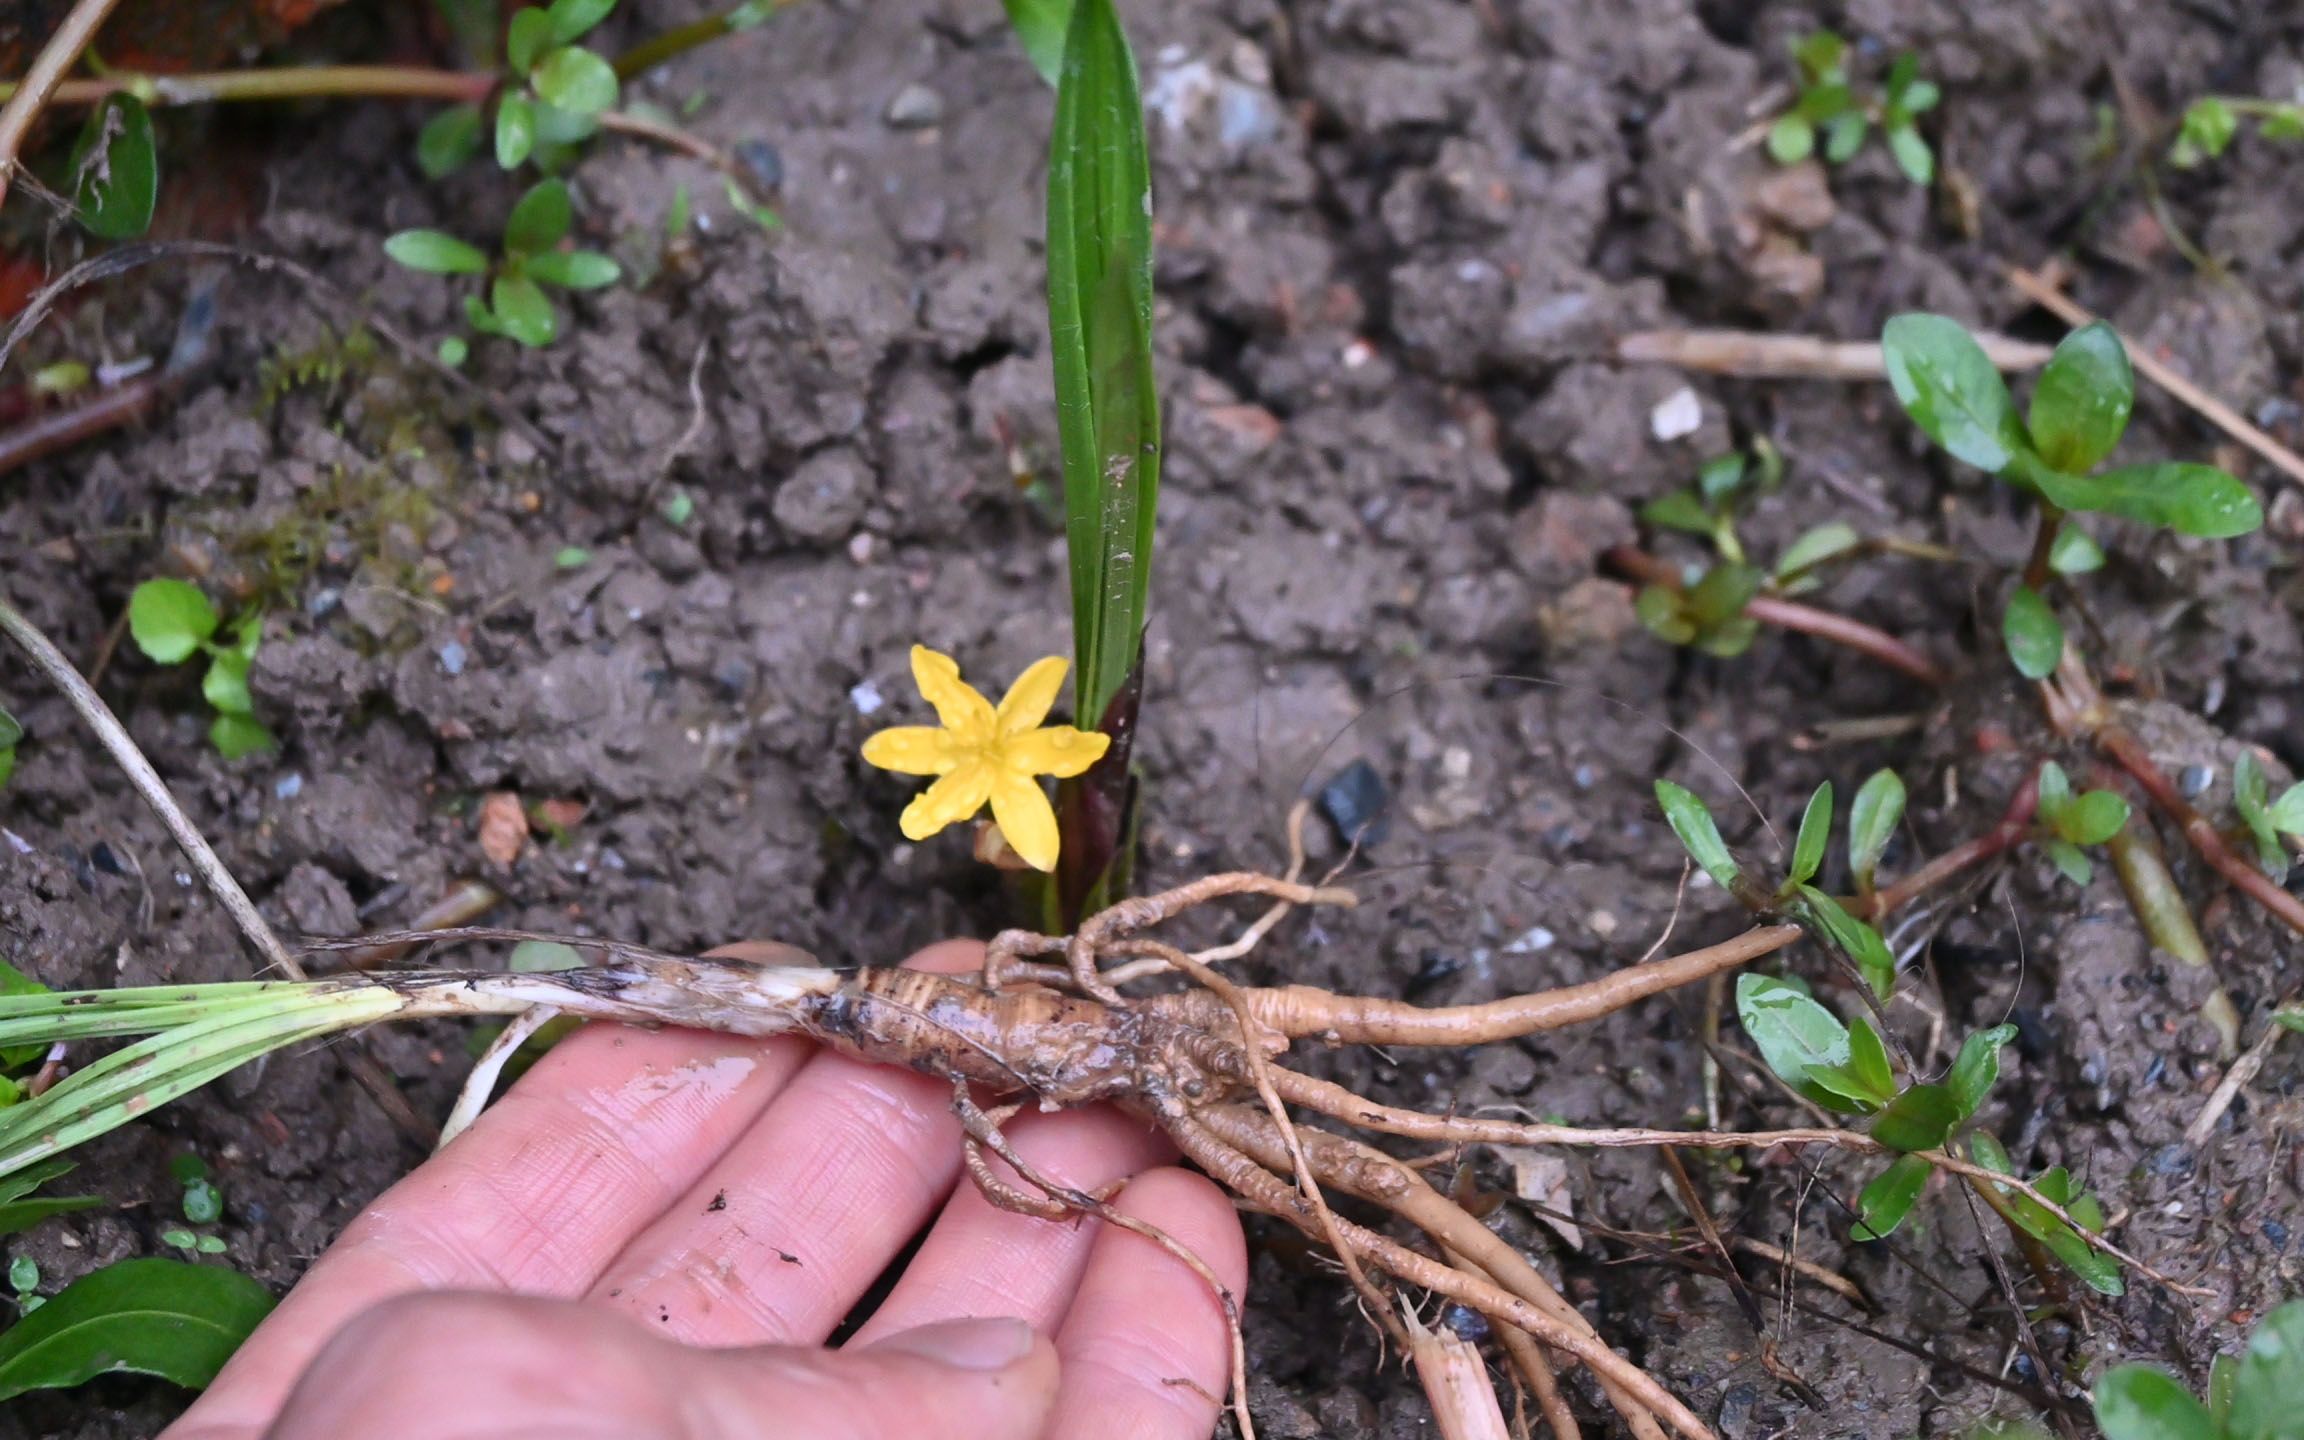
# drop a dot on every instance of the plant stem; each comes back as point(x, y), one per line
point(407, 82)
point(59, 55)
point(50, 662)
point(2036, 570)
point(681, 39)
point(1791, 615)
point(2143, 871)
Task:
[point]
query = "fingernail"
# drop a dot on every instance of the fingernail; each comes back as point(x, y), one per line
point(973, 1344)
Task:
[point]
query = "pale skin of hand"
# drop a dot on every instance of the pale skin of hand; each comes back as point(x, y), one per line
point(653, 1233)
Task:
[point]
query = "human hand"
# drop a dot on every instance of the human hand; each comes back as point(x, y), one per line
point(654, 1232)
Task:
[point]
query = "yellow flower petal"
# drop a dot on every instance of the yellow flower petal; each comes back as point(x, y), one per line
point(1059, 750)
point(967, 714)
point(913, 750)
point(949, 801)
point(1026, 818)
point(1028, 700)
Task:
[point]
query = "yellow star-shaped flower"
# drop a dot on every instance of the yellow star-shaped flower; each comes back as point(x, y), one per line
point(981, 753)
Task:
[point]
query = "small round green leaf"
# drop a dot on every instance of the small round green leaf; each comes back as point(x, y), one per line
point(1791, 139)
point(1844, 135)
point(531, 957)
point(2068, 859)
point(2268, 1383)
point(168, 1318)
point(575, 269)
point(1663, 610)
point(170, 619)
point(435, 253)
point(539, 218)
point(1890, 1197)
point(2074, 552)
point(238, 736)
point(2139, 1402)
point(115, 170)
point(2034, 635)
point(576, 80)
point(454, 351)
point(522, 311)
point(1679, 510)
point(515, 131)
point(447, 140)
point(203, 1202)
point(1949, 387)
point(1693, 824)
point(2093, 818)
point(2081, 406)
point(225, 686)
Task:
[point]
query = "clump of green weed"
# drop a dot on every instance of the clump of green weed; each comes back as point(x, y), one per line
point(171, 621)
point(1829, 107)
point(516, 306)
point(2212, 122)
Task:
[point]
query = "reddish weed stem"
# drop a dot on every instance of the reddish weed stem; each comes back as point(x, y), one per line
point(1638, 564)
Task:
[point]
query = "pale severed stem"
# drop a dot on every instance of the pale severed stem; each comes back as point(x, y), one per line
point(481, 1083)
point(1455, 1381)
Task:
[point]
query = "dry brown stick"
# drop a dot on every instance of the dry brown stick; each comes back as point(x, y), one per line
point(1298, 1011)
point(1757, 355)
point(1248, 938)
point(1529, 1359)
point(1235, 1170)
point(59, 55)
point(2235, 1080)
point(2215, 411)
point(1372, 1175)
point(1791, 615)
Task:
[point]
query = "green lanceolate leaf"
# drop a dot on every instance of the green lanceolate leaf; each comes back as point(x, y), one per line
point(1039, 26)
point(20, 1209)
point(1921, 1118)
point(2080, 408)
point(2034, 635)
point(1693, 824)
point(572, 20)
point(539, 218)
point(1100, 328)
point(225, 686)
point(1815, 834)
point(148, 1317)
point(2071, 862)
point(1721, 477)
point(1795, 1035)
point(1664, 612)
point(115, 170)
point(2189, 499)
point(447, 140)
point(435, 253)
point(2267, 1385)
point(574, 269)
point(1872, 823)
point(1866, 1081)
point(526, 38)
point(1844, 135)
point(2055, 788)
point(1723, 592)
point(2250, 794)
point(1948, 385)
point(2138, 1402)
point(1825, 542)
point(169, 619)
point(1863, 945)
point(1913, 156)
point(1977, 1068)
point(1890, 1197)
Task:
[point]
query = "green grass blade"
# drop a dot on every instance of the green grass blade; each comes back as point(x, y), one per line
point(45, 1018)
point(1100, 332)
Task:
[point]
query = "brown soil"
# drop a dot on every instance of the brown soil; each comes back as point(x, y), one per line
point(1393, 236)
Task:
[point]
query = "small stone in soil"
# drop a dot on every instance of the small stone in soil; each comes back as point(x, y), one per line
point(915, 108)
point(1356, 803)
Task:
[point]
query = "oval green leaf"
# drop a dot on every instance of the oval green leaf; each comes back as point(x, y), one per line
point(1872, 822)
point(539, 218)
point(2139, 1402)
point(148, 1317)
point(522, 312)
point(573, 19)
point(225, 686)
point(2093, 818)
point(238, 736)
point(2075, 552)
point(2080, 408)
point(1948, 385)
point(2268, 1383)
point(1913, 156)
point(115, 170)
point(1861, 943)
point(1793, 1034)
point(2189, 499)
point(1977, 1069)
point(1889, 1198)
point(574, 79)
point(1679, 510)
point(525, 38)
point(170, 619)
point(1692, 822)
point(447, 140)
point(1919, 1119)
point(2035, 636)
point(435, 253)
point(1791, 139)
point(515, 131)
